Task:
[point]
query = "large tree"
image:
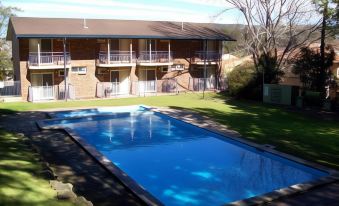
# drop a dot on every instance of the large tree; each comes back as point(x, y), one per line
point(274, 29)
point(329, 13)
point(5, 49)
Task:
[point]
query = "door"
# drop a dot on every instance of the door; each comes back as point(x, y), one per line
point(147, 81)
point(42, 86)
point(115, 82)
point(124, 81)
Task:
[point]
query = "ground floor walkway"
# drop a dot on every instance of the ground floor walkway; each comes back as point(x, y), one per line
point(72, 164)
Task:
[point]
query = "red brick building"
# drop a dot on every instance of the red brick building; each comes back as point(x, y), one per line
point(104, 58)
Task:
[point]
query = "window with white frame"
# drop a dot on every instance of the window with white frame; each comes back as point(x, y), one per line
point(79, 70)
point(338, 72)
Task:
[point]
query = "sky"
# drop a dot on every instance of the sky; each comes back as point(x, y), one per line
point(203, 11)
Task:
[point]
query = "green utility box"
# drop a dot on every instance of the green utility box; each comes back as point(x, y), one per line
point(280, 94)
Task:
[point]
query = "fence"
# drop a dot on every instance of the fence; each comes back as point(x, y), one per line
point(198, 84)
point(109, 89)
point(155, 57)
point(116, 57)
point(48, 58)
point(10, 88)
point(54, 92)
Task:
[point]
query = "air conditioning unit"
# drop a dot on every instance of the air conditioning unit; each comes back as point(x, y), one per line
point(177, 67)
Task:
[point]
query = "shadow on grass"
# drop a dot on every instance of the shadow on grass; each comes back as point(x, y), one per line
point(69, 161)
point(308, 138)
point(21, 180)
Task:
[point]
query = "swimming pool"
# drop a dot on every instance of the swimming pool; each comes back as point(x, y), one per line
point(178, 163)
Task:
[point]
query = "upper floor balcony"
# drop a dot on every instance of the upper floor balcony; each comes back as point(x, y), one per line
point(155, 58)
point(116, 58)
point(211, 57)
point(48, 60)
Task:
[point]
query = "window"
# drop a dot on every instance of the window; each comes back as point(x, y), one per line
point(164, 69)
point(46, 45)
point(61, 73)
point(42, 79)
point(338, 72)
point(79, 70)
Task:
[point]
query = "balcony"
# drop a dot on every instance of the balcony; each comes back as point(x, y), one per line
point(155, 58)
point(116, 59)
point(48, 60)
point(212, 57)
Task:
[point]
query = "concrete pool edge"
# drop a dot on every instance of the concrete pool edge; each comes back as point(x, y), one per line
point(128, 182)
point(149, 199)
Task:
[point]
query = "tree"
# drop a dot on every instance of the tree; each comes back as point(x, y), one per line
point(329, 20)
point(276, 28)
point(308, 65)
point(5, 48)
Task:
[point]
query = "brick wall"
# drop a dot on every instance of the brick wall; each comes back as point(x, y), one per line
point(84, 53)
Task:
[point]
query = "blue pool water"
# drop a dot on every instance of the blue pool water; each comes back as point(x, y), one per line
point(98, 111)
point(181, 164)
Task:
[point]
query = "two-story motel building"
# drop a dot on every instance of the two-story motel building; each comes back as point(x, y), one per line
point(111, 58)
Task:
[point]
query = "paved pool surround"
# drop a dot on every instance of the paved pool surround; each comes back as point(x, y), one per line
point(150, 200)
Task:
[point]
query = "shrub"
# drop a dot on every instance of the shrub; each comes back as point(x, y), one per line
point(312, 99)
point(242, 81)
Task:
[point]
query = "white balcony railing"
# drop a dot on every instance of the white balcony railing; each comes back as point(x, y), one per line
point(198, 84)
point(54, 92)
point(155, 57)
point(211, 56)
point(109, 89)
point(48, 58)
point(116, 57)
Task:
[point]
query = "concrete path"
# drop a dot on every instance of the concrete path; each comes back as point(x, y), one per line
point(74, 165)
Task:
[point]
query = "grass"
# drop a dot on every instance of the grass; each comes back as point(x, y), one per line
point(20, 182)
point(309, 138)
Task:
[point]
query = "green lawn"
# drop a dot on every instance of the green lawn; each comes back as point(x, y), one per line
point(305, 137)
point(20, 182)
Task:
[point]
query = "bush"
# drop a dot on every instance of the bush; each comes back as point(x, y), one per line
point(312, 99)
point(242, 82)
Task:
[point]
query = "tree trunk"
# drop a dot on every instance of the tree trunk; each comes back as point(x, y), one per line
point(323, 68)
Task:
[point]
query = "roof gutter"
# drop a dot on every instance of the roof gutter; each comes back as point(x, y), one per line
point(121, 37)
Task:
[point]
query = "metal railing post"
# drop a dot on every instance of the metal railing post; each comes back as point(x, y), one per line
point(39, 54)
point(150, 51)
point(130, 52)
point(108, 51)
point(169, 50)
point(65, 69)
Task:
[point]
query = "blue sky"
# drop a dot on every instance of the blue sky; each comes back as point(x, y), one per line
point(165, 10)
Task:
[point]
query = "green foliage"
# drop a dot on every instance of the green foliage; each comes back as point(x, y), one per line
point(6, 67)
point(272, 72)
point(6, 12)
point(312, 99)
point(331, 13)
point(20, 182)
point(308, 66)
point(242, 81)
